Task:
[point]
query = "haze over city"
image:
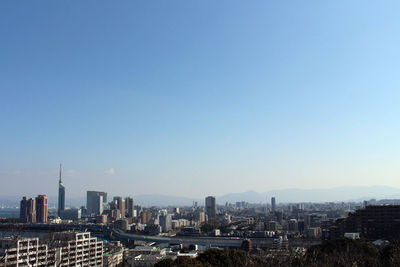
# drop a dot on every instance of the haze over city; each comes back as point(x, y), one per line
point(200, 98)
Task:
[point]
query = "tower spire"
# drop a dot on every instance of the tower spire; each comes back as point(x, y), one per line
point(60, 174)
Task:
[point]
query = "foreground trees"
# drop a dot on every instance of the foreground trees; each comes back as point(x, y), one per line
point(340, 252)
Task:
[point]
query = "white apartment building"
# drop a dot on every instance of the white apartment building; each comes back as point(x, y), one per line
point(62, 249)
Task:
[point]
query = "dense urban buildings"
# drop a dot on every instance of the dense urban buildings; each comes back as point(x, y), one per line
point(251, 227)
point(61, 195)
point(119, 204)
point(73, 214)
point(211, 208)
point(27, 210)
point(34, 210)
point(242, 225)
point(371, 222)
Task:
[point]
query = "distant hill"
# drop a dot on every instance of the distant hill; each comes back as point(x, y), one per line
point(162, 200)
point(345, 193)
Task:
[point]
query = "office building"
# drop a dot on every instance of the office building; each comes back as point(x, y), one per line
point(211, 209)
point(129, 207)
point(273, 204)
point(71, 214)
point(61, 195)
point(119, 203)
point(41, 208)
point(104, 195)
point(94, 202)
point(165, 222)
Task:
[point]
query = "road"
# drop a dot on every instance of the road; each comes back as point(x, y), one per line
point(204, 241)
point(232, 242)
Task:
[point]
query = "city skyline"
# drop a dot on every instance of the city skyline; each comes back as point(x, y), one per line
point(170, 98)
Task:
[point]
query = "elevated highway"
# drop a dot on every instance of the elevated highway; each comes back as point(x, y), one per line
point(226, 242)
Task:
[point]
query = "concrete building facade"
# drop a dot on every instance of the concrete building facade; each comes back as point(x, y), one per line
point(65, 249)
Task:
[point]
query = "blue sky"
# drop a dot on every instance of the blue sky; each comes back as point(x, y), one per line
point(194, 98)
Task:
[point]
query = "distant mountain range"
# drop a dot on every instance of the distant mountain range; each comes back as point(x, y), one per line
point(345, 193)
point(337, 194)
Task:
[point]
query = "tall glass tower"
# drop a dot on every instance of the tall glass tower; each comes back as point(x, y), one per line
point(61, 195)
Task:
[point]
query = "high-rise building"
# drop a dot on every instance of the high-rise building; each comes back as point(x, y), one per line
point(120, 205)
point(41, 208)
point(165, 222)
point(61, 195)
point(273, 204)
point(104, 195)
point(23, 211)
point(129, 207)
point(211, 209)
point(94, 202)
point(27, 210)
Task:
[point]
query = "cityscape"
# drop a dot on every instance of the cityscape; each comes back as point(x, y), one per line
point(116, 232)
point(199, 133)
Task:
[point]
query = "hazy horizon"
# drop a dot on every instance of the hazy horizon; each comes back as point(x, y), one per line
point(283, 196)
point(195, 98)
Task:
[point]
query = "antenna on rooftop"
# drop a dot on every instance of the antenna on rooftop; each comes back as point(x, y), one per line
point(60, 173)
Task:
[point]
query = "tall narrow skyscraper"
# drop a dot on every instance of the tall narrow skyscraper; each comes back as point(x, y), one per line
point(61, 194)
point(273, 204)
point(129, 207)
point(211, 209)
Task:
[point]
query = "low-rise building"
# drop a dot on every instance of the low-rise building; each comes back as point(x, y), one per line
point(113, 256)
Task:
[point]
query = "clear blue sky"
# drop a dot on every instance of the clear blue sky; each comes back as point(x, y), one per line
point(193, 98)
